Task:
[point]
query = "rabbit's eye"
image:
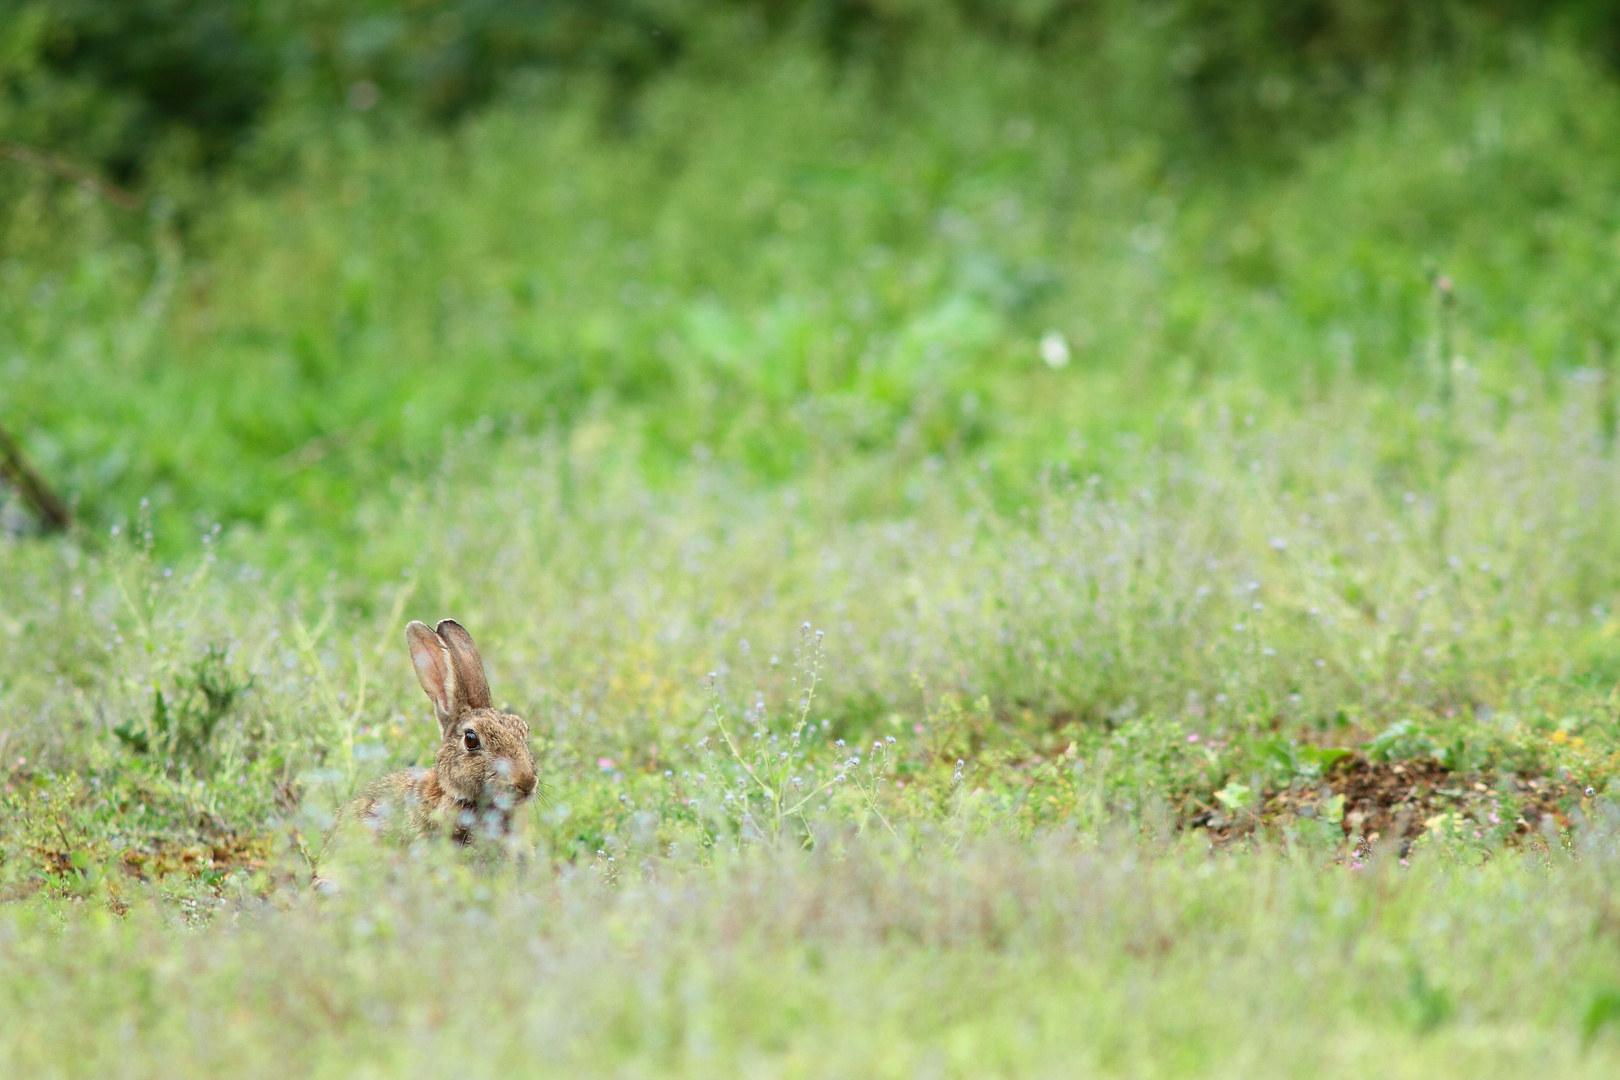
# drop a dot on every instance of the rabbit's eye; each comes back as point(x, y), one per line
point(471, 740)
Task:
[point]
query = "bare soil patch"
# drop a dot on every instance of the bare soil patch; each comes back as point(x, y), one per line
point(1401, 799)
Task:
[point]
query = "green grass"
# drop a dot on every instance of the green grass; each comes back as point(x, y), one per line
point(989, 959)
point(687, 420)
point(771, 271)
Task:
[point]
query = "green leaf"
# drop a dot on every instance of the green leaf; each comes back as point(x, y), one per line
point(133, 738)
point(1323, 757)
point(1604, 1010)
point(1399, 742)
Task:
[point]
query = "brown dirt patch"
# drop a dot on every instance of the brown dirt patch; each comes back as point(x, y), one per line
point(221, 854)
point(1396, 799)
point(150, 861)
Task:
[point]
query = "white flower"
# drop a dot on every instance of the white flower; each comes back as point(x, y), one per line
point(1055, 350)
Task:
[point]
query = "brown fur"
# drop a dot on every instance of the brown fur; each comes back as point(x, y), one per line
point(469, 790)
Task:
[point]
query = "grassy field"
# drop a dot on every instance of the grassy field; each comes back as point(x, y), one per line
point(999, 587)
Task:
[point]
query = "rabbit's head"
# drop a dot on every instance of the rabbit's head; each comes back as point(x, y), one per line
point(484, 763)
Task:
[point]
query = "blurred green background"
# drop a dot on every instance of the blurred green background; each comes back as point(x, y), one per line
point(792, 236)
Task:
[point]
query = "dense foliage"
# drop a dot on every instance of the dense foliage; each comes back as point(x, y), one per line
point(119, 80)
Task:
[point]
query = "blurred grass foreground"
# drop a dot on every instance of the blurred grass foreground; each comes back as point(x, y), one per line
point(1056, 537)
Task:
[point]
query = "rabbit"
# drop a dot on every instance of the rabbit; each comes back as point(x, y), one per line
point(484, 768)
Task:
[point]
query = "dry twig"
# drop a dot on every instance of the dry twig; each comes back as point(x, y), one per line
point(15, 467)
point(60, 166)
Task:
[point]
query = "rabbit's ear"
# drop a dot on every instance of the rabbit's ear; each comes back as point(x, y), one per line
point(431, 659)
point(469, 666)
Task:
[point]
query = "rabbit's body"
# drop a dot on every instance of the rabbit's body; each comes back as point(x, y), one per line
point(483, 768)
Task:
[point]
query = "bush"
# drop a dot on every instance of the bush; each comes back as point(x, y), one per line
point(117, 81)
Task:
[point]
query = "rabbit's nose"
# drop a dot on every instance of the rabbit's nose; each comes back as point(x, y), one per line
point(524, 781)
point(521, 779)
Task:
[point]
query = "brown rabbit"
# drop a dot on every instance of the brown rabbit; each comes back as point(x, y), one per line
point(484, 768)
